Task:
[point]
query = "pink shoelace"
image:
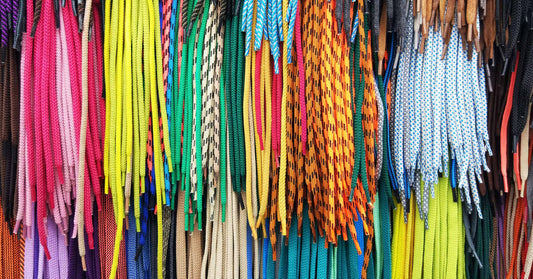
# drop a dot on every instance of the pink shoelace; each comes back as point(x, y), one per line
point(50, 120)
point(276, 113)
point(258, 97)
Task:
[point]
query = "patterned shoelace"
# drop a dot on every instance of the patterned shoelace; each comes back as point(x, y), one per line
point(427, 147)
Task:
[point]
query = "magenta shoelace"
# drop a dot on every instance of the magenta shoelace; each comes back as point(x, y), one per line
point(258, 97)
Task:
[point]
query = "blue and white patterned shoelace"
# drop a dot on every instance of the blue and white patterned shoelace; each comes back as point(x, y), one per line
point(401, 110)
point(438, 104)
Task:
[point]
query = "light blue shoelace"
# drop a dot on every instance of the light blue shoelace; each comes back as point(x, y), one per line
point(246, 24)
point(273, 33)
point(260, 23)
point(291, 17)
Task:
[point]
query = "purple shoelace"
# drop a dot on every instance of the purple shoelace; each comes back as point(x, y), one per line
point(4, 12)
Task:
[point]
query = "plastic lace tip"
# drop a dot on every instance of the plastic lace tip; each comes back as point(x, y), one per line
point(453, 170)
point(352, 193)
point(488, 79)
point(33, 30)
point(17, 226)
point(69, 209)
point(505, 66)
point(514, 146)
point(74, 231)
point(444, 52)
point(26, 232)
point(505, 183)
point(422, 45)
point(74, 5)
point(51, 203)
point(200, 225)
point(138, 252)
point(83, 263)
point(237, 6)
point(47, 253)
point(241, 203)
point(261, 143)
point(65, 225)
point(56, 14)
point(99, 169)
point(59, 172)
point(98, 198)
point(90, 238)
point(20, 27)
point(259, 222)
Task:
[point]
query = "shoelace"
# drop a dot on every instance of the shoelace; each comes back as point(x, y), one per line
point(10, 132)
point(449, 228)
point(520, 111)
point(266, 106)
point(248, 136)
point(311, 161)
point(469, 166)
point(13, 252)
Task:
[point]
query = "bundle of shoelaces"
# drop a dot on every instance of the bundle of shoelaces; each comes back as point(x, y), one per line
point(266, 139)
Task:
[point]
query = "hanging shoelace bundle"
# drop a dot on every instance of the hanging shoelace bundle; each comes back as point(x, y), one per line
point(50, 113)
point(427, 134)
point(266, 138)
point(137, 112)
